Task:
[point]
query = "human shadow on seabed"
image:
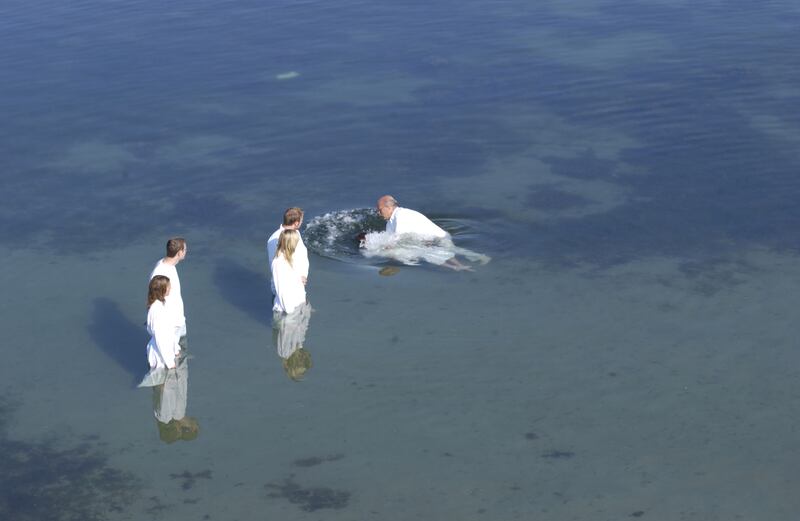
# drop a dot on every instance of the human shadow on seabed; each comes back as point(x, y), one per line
point(245, 289)
point(120, 338)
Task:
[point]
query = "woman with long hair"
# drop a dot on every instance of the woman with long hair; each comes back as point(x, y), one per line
point(290, 291)
point(163, 348)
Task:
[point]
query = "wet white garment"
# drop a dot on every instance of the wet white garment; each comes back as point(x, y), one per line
point(410, 249)
point(405, 220)
point(174, 299)
point(163, 345)
point(290, 291)
point(169, 399)
point(299, 258)
point(289, 330)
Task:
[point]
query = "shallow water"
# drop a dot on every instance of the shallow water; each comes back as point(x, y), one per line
point(629, 167)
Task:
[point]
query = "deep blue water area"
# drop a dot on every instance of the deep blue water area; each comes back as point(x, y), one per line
point(630, 167)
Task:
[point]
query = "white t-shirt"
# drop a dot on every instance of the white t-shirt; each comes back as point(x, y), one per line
point(290, 291)
point(174, 299)
point(163, 345)
point(299, 259)
point(405, 220)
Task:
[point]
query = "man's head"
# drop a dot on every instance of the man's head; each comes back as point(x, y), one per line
point(293, 218)
point(176, 249)
point(386, 206)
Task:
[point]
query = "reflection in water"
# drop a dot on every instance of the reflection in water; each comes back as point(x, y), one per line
point(170, 387)
point(289, 335)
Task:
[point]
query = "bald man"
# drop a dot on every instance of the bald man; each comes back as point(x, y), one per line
point(401, 221)
point(404, 220)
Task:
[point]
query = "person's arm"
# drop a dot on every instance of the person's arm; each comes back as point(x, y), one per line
point(301, 260)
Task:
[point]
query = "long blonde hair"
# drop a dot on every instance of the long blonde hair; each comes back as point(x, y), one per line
point(287, 243)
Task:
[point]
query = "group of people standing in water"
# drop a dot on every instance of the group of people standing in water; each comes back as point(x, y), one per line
point(288, 261)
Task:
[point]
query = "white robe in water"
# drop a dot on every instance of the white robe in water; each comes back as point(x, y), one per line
point(163, 345)
point(289, 330)
point(290, 291)
point(405, 220)
point(169, 399)
point(410, 249)
point(299, 258)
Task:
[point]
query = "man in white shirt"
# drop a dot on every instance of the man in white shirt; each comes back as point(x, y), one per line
point(292, 220)
point(176, 252)
point(404, 221)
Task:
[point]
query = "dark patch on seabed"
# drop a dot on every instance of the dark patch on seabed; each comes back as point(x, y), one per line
point(190, 479)
point(549, 198)
point(309, 499)
point(317, 460)
point(558, 454)
point(40, 480)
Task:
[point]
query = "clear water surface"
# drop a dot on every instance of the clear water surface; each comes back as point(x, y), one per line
point(630, 166)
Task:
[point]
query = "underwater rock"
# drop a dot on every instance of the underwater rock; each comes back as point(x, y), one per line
point(287, 75)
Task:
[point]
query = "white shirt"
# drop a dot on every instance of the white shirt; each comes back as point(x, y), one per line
point(299, 258)
point(290, 291)
point(405, 220)
point(163, 345)
point(174, 299)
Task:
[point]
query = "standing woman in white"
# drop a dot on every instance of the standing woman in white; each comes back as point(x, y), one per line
point(287, 278)
point(163, 348)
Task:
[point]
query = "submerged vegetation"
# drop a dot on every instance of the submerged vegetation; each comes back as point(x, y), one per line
point(41, 480)
point(309, 499)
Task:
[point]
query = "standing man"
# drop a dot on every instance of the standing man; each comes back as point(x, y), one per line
point(176, 252)
point(292, 220)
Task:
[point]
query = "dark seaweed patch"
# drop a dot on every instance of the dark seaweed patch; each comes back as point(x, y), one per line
point(583, 166)
point(190, 479)
point(41, 480)
point(548, 198)
point(558, 454)
point(317, 460)
point(309, 499)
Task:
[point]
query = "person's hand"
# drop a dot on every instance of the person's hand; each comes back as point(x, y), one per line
point(304, 279)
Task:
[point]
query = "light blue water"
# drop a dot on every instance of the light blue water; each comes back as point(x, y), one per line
point(631, 167)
